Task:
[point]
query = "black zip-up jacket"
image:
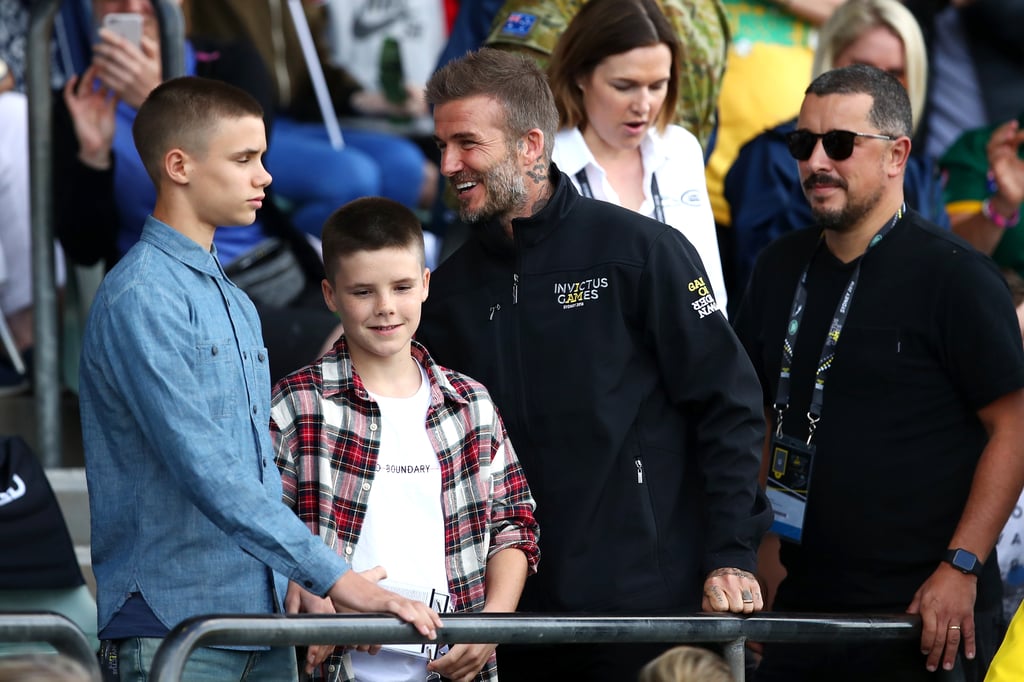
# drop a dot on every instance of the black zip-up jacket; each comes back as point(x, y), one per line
point(635, 412)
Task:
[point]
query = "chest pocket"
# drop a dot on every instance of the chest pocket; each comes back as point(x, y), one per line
point(217, 372)
point(866, 360)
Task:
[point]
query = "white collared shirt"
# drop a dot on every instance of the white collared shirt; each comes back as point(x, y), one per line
point(677, 159)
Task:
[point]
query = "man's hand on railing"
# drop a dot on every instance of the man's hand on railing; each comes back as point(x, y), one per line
point(946, 604)
point(733, 590)
point(360, 592)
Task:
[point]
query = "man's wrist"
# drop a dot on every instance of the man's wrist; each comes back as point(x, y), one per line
point(964, 561)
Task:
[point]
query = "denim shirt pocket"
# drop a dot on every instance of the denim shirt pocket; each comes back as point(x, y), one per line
point(257, 370)
point(217, 373)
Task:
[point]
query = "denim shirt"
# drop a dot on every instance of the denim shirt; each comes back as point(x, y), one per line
point(175, 403)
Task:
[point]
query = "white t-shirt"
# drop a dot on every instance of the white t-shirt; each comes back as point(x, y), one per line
point(677, 159)
point(403, 529)
point(358, 29)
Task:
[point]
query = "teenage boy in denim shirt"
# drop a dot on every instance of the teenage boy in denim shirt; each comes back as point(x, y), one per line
point(187, 517)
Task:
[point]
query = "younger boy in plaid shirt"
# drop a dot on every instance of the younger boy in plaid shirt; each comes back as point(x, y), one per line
point(395, 460)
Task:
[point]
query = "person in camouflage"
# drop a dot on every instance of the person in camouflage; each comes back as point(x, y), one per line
point(534, 26)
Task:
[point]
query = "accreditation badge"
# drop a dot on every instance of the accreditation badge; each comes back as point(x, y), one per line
point(789, 480)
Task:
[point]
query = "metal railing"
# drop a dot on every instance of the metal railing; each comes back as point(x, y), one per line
point(46, 354)
point(54, 629)
point(734, 631)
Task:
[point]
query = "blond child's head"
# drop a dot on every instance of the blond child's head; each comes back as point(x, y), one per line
point(686, 664)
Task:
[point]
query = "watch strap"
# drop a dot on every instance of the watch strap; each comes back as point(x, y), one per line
point(964, 561)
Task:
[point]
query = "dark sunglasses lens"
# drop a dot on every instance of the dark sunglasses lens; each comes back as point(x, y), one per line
point(801, 144)
point(838, 144)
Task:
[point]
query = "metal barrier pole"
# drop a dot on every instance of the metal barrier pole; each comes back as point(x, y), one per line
point(278, 630)
point(736, 658)
point(172, 37)
point(46, 353)
point(54, 629)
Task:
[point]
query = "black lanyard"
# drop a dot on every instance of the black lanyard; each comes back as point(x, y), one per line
point(659, 210)
point(828, 351)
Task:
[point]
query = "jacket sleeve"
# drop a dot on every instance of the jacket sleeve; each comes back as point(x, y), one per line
point(709, 377)
point(759, 187)
point(85, 218)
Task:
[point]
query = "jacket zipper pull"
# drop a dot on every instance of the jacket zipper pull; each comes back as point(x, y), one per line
point(639, 471)
point(494, 308)
point(515, 288)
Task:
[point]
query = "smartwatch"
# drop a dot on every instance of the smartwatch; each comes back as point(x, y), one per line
point(963, 561)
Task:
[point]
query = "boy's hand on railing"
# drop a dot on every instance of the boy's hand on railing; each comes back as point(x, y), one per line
point(463, 662)
point(360, 592)
point(733, 590)
point(299, 600)
point(946, 604)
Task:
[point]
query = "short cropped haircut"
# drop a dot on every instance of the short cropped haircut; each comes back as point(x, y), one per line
point(854, 18)
point(601, 29)
point(686, 664)
point(180, 113)
point(369, 224)
point(513, 80)
point(890, 108)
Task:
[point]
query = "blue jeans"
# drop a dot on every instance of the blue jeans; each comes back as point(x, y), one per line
point(317, 179)
point(136, 654)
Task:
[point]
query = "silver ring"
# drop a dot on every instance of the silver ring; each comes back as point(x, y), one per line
point(954, 627)
point(747, 597)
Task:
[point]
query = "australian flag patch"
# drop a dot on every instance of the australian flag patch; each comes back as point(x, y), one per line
point(519, 24)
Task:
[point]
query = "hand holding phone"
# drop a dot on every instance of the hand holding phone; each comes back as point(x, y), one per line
point(128, 25)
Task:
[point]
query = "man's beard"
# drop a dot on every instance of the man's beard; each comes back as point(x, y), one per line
point(504, 187)
point(842, 219)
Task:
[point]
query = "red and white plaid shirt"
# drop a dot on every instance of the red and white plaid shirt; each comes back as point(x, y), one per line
point(326, 432)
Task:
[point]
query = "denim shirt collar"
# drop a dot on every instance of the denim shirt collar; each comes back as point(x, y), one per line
point(181, 248)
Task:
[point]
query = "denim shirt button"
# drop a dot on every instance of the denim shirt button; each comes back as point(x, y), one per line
point(245, 356)
point(214, 350)
point(264, 462)
point(261, 357)
point(255, 409)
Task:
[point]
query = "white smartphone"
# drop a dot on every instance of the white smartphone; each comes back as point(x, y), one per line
point(128, 25)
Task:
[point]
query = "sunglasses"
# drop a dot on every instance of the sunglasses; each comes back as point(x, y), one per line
point(838, 144)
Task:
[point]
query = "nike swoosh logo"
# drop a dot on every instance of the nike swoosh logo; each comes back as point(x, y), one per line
point(363, 27)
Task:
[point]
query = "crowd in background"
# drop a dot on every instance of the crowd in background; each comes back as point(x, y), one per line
point(712, 100)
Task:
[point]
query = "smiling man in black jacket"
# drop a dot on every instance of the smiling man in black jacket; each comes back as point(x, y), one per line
point(636, 412)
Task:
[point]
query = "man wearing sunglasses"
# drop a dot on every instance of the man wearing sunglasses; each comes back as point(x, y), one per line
point(893, 376)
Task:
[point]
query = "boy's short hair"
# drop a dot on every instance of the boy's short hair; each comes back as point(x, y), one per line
point(181, 112)
point(686, 664)
point(369, 224)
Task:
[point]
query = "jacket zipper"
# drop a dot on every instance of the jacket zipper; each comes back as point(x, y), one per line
point(639, 471)
point(515, 288)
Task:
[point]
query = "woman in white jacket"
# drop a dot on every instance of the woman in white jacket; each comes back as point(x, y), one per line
point(614, 74)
